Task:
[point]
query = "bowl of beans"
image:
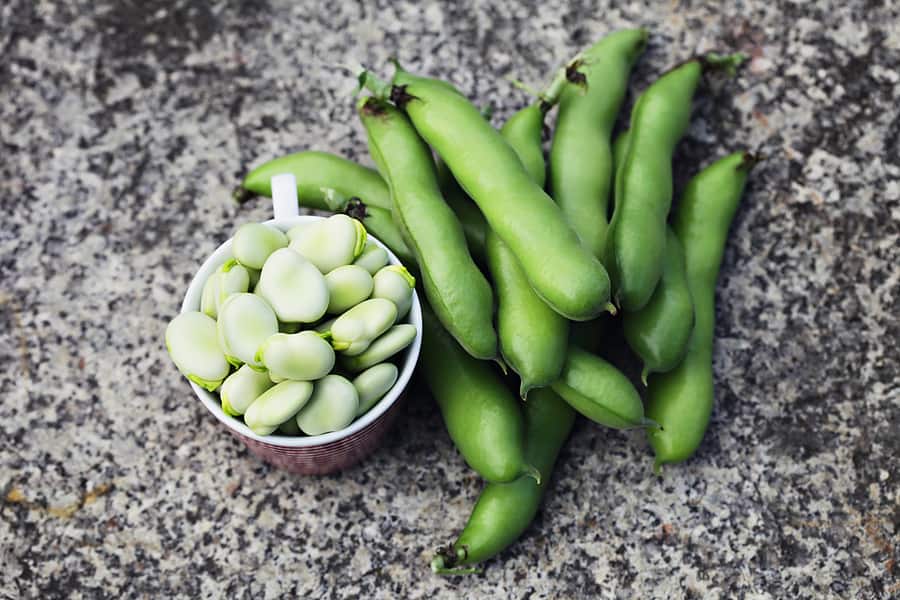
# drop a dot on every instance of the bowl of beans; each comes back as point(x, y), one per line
point(300, 335)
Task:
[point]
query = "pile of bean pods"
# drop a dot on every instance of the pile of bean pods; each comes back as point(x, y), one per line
point(296, 330)
point(518, 260)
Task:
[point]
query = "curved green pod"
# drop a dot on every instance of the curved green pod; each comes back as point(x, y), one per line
point(482, 417)
point(562, 272)
point(659, 332)
point(619, 149)
point(533, 337)
point(581, 162)
point(681, 400)
point(637, 234)
point(329, 182)
point(505, 510)
point(455, 287)
point(471, 219)
point(599, 391)
point(316, 174)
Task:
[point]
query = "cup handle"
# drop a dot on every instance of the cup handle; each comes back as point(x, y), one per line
point(284, 196)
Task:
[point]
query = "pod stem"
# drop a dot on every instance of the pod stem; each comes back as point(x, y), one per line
point(439, 567)
point(729, 63)
point(529, 470)
point(240, 195)
point(356, 209)
point(366, 80)
point(611, 308)
point(750, 160)
point(645, 372)
point(547, 97)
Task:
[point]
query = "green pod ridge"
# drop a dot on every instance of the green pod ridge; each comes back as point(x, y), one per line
point(599, 391)
point(533, 337)
point(636, 239)
point(455, 287)
point(681, 400)
point(482, 417)
point(505, 510)
point(562, 272)
point(522, 131)
point(322, 180)
point(581, 162)
point(659, 332)
point(619, 149)
point(471, 219)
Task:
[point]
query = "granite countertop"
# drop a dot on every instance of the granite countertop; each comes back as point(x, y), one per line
point(123, 128)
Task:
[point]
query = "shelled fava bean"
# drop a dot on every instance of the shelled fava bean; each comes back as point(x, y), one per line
point(296, 329)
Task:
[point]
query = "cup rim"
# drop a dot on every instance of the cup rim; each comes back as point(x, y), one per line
point(191, 302)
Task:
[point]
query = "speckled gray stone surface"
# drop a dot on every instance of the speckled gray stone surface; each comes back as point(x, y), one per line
point(123, 128)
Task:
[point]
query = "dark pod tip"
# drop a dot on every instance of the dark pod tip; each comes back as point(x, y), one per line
point(241, 195)
point(400, 97)
point(356, 209)
point(574, 75)
point(750, 160)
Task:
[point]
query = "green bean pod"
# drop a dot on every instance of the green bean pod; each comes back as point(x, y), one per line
point(681, 400)
point(333, 183)
point(471, 219)
point(581, 163)
point(455, 287)
point(619, 148)
point(317, 173)
point(659, 332)
point(637, 236)
point(483, 419)
point(505, 510)
point(599, 391)
point(533, 337)
point(562, 272)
